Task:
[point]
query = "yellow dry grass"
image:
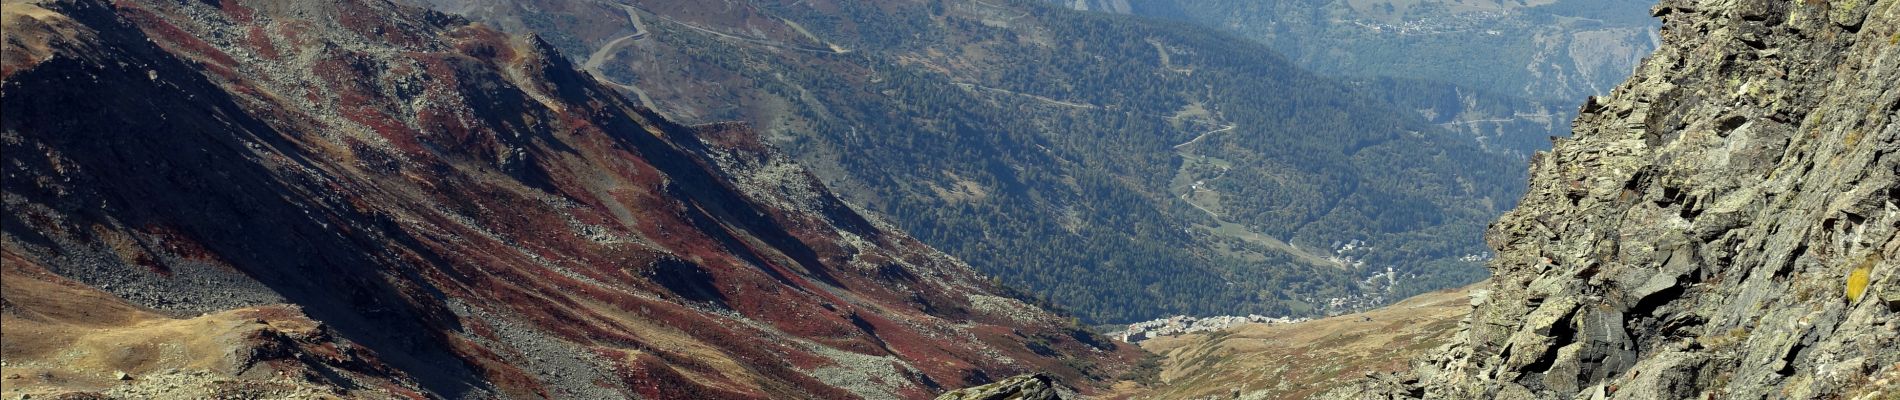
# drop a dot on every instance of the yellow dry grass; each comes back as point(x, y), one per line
point(669, 339)
point(1296, 361)
point(28, 33)
point(61, 336)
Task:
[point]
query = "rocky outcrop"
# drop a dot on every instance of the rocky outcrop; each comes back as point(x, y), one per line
point(1723, 225)
point(65, 339)
point(461, 210)
point(1026, 387)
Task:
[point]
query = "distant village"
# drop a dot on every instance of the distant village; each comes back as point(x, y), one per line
point(1485, 22)
point(1348, 254)
point(1182, 324)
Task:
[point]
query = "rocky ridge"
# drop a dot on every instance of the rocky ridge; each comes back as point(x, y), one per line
point(1723, 225)
point(1025, 387)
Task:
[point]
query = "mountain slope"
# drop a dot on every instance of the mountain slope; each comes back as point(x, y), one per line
point(418, 205)
point(1538, 49)
point(1125, 168)
point(1506, 73)
point(1506, 125)
point(1723, 225)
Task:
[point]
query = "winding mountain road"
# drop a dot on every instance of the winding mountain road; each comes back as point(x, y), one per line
point(1031, 96)
point(607, 51)
point(1205, 134)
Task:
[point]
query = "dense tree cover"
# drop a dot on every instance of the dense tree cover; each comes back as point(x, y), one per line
point(1505, 124)
point(1051, 149)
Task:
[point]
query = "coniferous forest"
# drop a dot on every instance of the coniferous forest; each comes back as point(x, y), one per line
point(1136, 168)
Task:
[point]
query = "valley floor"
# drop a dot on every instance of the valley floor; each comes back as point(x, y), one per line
point(1297, 361)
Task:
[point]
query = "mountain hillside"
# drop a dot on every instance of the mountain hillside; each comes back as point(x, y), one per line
point(1125, 168)
point(1536, 49)
point(1508, 73)
point(1723, 225)
point(1510, 125)
point(274, 198)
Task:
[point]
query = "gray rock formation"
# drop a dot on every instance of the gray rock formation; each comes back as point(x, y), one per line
point(1722, 225)
point(1024, 387)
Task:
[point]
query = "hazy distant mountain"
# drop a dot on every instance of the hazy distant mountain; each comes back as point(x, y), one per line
point(1509, 73)
point(1540, 49)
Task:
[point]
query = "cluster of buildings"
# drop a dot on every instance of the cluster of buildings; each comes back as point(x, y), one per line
point(1343, 253)
point(1457, 22)
point(1182, 324)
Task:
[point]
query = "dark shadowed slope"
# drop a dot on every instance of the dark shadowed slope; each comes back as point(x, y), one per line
point(464, 208)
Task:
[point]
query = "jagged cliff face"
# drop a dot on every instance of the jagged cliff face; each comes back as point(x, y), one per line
point(1722, 225)
point(372, 200)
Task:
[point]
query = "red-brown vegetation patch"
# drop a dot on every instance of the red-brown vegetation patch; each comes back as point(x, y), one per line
point(652, 378)
point(364, 18)
point(261, 42)
point(445, 217)
point(511, 381)
point(172, 37)
point(362, 103)
point(294, 33)
point(237, 12)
